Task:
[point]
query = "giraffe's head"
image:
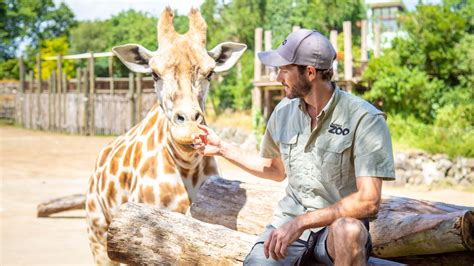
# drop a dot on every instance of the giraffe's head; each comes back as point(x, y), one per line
point(181, 67)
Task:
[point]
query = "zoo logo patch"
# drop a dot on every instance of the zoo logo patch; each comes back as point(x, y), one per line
point(338, 130)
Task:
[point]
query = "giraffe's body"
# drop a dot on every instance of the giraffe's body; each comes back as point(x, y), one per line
point(147, 164)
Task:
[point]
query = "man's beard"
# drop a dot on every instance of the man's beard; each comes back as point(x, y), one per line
point(300, 89)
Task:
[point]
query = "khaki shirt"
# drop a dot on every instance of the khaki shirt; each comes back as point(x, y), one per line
point(351, 140)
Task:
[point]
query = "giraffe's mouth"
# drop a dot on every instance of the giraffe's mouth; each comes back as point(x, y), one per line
point(183, 133)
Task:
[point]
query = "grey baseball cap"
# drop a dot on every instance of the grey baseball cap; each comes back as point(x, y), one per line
point(301, 47)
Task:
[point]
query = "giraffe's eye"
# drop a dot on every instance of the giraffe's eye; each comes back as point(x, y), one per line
point(156, 77)
point(209, 76)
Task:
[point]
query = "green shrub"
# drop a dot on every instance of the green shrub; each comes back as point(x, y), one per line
point(443, 137)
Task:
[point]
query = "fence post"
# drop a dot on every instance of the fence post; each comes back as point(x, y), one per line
point(50, 87)
point(257, 73)
point(111, 75)
point(139, 97)
point(22, 90)
point(59, 91)
point(64, 100)
point(348, 55)
point(85, 102)
point(131, 100)
point(54, 101)
point(91, 94)
point(30, 99)
point(38, 92)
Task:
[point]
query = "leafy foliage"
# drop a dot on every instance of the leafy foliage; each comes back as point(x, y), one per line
point(32, 21)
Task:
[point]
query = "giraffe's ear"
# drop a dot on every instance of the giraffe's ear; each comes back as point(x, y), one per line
point(134, 56)
point(226, 55)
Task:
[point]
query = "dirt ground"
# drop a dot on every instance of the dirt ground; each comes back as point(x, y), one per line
point(38, 166)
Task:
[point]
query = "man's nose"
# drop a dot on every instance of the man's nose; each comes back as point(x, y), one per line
point(279, 77)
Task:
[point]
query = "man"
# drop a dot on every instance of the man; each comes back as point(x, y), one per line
point(335, 149)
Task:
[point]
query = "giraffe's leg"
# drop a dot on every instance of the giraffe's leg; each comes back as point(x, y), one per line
point(97, 231)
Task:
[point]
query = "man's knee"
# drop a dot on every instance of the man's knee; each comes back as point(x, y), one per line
point(349, 229)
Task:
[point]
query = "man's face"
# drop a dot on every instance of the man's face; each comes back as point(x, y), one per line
point(296, 84)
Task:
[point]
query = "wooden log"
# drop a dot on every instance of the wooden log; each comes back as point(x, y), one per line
point(404, 227)
point(143, 235)
point(74, 202)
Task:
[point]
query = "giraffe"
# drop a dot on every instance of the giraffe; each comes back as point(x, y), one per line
point(150, 163)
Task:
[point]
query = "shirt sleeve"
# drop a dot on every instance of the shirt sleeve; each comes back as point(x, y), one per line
point(373, 154)
point(269, 147)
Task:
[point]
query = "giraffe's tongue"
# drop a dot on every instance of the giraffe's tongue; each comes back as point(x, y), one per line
point(182, 134)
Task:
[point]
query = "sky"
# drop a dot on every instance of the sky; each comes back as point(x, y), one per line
point(104, 9)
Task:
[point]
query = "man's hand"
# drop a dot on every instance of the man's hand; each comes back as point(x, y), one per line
point(207, 143)
point(277, 243)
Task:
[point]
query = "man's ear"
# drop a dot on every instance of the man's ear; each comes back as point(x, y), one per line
point(226, 55)
point(311, 72)
point(134, 56)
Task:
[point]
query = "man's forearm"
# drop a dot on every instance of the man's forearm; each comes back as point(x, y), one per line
point(251, 162)
point(356, 205)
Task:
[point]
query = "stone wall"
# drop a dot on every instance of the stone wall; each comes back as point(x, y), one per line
point(412, 168)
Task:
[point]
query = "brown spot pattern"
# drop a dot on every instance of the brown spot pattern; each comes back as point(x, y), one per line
point(160, 129)
point(104, 155)
point(182, 206)
point(114, 163)
point(147, 194)
point(103, 180)
point(151, 122)
point(169, 192)
point(168, 164)
point(125, 179)
point(91, 206)
point(149, 168)
point(111, 193)
point(128, 155)
point(124, 199)
point(137, 154)
point(150, 143)
point(134, 183)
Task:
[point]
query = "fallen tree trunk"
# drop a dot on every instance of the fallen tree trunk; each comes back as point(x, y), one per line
point(403, 226)
point(144, 235)
point(73, 202)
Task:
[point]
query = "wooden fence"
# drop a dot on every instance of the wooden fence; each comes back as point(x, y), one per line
point(86, 105)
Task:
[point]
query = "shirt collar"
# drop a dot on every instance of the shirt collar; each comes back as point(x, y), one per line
point(329, 105)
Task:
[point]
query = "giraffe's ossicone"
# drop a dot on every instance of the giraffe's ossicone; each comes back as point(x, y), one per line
point(152, 163)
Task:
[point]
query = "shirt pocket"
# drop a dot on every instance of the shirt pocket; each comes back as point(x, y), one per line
point(287, 147)
point(331, 160)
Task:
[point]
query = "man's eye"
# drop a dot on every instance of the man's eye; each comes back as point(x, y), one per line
point(209, 76)
point(156, 77)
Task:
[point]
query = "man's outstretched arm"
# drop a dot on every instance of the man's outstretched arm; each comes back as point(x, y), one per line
point(209, 144)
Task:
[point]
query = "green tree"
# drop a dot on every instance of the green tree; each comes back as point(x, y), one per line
point(31, 21)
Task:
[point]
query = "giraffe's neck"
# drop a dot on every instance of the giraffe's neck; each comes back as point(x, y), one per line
point(192, 167)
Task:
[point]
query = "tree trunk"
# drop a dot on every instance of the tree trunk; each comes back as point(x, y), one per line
point(403, 226)
point(74, 202)
point(145, 235)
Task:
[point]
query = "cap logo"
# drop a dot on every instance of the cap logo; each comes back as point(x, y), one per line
point(284, 42)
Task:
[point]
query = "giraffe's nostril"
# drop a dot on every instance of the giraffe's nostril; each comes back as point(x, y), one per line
point(179, 118)
point(198, 118)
